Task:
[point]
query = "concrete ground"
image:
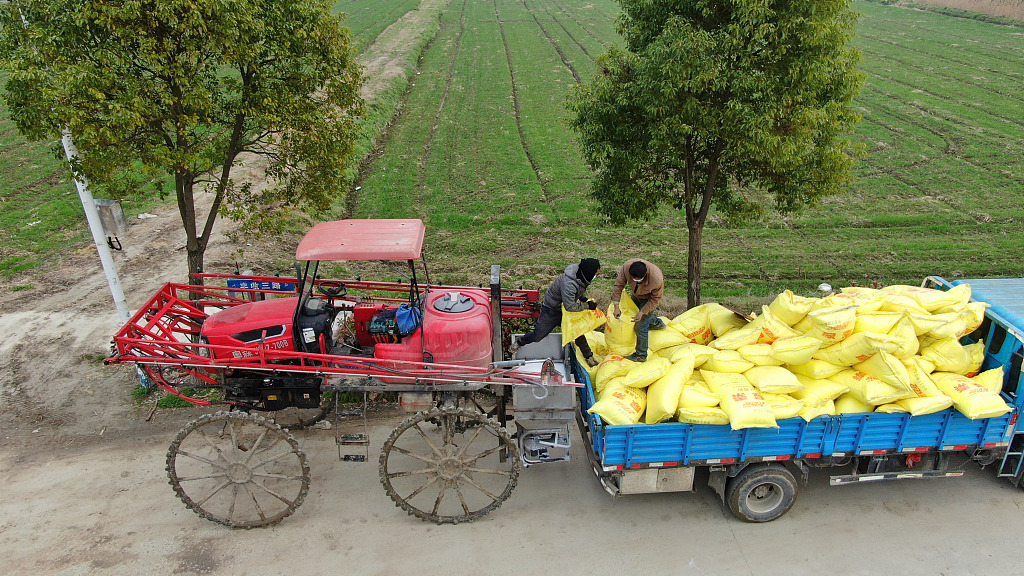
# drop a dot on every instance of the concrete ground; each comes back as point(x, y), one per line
point(102, 505)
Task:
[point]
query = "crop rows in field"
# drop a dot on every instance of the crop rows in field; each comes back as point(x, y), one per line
point(485, 127)
point(483, 152)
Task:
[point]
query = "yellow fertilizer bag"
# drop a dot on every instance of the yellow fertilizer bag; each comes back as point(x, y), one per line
point(976, 352)
point(723, 320)
point(623, 406)
point(893, 408)
point(954, 326)
point(816, 369)
point(694, 325)
point(744, 405)
point(596, 341)
point(925, 405)
point(887, 368)
point(795, 349)
point(667, 352)
point(817, 391)
point(591, 370)
point(924, 322)
point(661, 339)
point(880, 322)
point(921, 383)
point(728, 361)
point(829, 325)
point(869, 301)
point(611, 367)
point(858, 348)
point(849, 404)
point(697, 394)
point(664, 394)
point(736, 338)
point(870, 390)
point(771, 327)
point(977, 311)
point(783, 406)
point(702, 415)
point(899, 303)
point(909, 344)
point(969, 397)
point(948, 355)
point(576, 324)
point(620, 333)
point(961, 296)
point(790, 308)
point(700, 354)
point(773, 379)
point(991, 379)
point(809, 413)
point(759, 354)
point(609, 386)
point(644, 374)
point(933, 300)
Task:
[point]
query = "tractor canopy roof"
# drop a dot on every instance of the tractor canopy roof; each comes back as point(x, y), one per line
point(367, 239)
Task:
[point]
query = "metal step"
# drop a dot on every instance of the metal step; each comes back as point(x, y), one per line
point(1012, 462)
point(353, 439)
point(350, 413)
point(353, 457)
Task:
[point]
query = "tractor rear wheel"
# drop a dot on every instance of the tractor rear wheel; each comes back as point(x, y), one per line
point(456, 471)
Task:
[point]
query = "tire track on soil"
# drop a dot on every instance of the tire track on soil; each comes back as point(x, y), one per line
point(554, 44)
point(952, 147)
point(428, 143)
point(950, 77)
point(970, 105)
point(541, 181)
point(578, 24)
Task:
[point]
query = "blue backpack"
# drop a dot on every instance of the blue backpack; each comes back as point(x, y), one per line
point(408, 319)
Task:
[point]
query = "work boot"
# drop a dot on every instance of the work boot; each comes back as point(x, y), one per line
point(658, 324)
point(634, 357)
point(591, 361)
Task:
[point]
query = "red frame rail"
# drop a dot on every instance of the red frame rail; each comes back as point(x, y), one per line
point(165, 332)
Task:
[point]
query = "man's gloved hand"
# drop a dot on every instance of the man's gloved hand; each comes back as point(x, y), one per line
point(592, 304)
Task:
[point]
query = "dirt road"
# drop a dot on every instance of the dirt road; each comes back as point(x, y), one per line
point(102, 505)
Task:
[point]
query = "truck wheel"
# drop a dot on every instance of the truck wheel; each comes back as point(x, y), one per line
point(761, 493)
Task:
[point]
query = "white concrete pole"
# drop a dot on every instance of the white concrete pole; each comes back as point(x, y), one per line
point(98, 237)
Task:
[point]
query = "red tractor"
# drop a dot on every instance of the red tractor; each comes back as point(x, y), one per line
point(264, 344)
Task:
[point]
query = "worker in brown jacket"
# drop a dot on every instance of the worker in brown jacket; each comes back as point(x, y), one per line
point(646, 287)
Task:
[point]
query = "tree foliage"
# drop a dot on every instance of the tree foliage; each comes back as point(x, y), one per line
point(736, 104)
point(186, 89)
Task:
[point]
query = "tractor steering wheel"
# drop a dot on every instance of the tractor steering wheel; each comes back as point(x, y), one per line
point(332, 289)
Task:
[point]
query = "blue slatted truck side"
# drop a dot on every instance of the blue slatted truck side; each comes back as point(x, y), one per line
point(757, 471)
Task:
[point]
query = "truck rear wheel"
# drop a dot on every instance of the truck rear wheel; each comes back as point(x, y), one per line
point(761, 493)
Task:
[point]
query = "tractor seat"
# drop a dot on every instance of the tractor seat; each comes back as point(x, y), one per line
point(315, 307)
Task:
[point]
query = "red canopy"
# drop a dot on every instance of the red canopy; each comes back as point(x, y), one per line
point(363, 240)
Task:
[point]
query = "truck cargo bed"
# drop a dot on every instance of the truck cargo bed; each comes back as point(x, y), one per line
point(618, 447)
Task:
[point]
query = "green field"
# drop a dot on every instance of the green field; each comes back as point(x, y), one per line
point(480, 148)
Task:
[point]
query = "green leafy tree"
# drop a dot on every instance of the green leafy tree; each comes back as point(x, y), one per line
point(153, 90)
point(736, 104)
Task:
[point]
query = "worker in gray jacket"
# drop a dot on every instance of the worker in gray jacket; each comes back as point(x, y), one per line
point(567, 290)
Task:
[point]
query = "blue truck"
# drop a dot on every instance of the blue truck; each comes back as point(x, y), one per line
point(755, 471)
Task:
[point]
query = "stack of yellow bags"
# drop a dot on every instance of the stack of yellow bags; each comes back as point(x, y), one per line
point(895, 349)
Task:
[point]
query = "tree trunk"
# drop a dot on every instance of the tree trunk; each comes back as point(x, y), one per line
point(693, 265)
point(195, 264)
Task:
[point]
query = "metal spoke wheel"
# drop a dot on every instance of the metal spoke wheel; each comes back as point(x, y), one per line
point(238, 469)
point(455, 472)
